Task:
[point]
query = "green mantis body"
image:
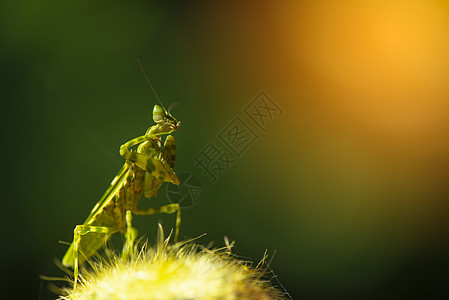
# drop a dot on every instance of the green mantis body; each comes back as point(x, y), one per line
point(144, 172)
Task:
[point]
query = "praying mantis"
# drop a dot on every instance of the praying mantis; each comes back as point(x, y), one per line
point(145, 170)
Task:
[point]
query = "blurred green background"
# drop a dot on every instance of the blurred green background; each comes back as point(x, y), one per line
point(349, 185)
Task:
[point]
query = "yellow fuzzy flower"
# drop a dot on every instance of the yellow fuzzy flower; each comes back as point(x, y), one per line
point(180, 271)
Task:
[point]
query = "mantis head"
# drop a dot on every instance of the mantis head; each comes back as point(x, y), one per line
point(162, 117)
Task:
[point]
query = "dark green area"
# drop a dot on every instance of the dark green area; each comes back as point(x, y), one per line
point(72, 93)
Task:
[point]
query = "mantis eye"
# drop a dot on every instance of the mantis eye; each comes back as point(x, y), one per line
point(158, 114)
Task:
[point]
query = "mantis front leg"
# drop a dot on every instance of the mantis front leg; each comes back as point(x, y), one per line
point(167, 154)
point(150, 164)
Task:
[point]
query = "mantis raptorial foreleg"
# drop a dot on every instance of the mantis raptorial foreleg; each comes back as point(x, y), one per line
point(167, 154)
point(168, 209)
point(124, 149)
point(152, 165)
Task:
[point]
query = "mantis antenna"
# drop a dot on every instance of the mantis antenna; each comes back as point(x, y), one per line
point(149, 83)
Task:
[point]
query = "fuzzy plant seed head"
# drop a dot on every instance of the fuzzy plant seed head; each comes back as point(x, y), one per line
point(180, 271)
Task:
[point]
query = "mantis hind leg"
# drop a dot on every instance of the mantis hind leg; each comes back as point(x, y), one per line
point(81, 230)
point(168, 209)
